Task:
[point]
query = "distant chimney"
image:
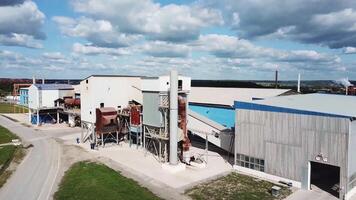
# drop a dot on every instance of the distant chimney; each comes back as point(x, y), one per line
point(43, 81)
point(347, 85)
point(33, 80)
point(347, 90)
point(276, 79)
point(298, 83)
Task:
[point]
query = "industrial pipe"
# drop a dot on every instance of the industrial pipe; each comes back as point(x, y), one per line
point(173, 118)
point(298, 83)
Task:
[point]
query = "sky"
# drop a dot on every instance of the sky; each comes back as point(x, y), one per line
point(203, 39)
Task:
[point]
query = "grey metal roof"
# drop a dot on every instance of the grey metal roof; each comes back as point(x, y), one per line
point(227, 96)
point(323, 103)
point(54, 86)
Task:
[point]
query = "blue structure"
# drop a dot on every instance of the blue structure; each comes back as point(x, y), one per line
point(222, 115)
point(24, 96)
point(259, 107)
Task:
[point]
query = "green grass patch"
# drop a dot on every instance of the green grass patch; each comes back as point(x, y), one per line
point(89, 180)
point(6, 136)
point(236, 186)
point(12, 108)
point(6, 154)
point(9, 154)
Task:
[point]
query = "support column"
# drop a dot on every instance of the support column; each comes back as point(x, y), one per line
point(29, 115)
point(81, 132)
point(58, 117)
point(173, 118)
point(102, 139)
point(38, 117)
point(206, 147)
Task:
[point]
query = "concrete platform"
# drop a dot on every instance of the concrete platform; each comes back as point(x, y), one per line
point(145, 164)
point(314, 194)
point(23, 119)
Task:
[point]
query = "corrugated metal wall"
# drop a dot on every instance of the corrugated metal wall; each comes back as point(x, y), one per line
point(288, 141)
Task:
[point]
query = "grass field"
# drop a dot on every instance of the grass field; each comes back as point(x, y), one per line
point(8, 154)
point(88, 180)
point(6, 136)
point(11, 108)
point(236, 186)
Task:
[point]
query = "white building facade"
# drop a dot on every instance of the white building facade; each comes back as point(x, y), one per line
point(44, 95)
point(108, 91)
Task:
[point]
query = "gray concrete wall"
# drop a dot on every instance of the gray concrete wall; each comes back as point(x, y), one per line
point(288, 141)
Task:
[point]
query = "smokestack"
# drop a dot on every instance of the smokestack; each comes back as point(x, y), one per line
point(33, 80)
point(173, 118)
point(347, 85)
point(299, 83)
point(43, 81)
point(347, 90)
point(276, 79)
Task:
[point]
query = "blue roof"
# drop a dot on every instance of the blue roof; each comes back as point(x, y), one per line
point(308, 104)
point(224, 116)
point(54, 86)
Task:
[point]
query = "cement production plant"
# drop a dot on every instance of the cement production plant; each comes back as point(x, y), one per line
point(172, 136)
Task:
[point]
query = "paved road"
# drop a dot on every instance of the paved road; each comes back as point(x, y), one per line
point(35, 176)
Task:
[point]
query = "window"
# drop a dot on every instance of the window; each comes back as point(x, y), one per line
point(180, 84)
point(101, 105)
point(250, 162)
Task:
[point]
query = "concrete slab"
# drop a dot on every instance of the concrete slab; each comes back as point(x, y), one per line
point(145, 164)
point(314, 194)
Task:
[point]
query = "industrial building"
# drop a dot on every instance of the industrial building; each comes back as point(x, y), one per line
point(41, 101)
point(212, 111)
point(23, 96)
point(107, 91)
point(308, 140)
point(157, 114)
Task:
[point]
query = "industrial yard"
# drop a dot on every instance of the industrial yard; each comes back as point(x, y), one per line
point(177, 100)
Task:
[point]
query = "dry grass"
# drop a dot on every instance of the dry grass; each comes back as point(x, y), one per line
point(12, 108)
point(236, 186)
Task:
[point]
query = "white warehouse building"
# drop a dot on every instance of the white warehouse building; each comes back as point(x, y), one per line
point(44, 95)
point(41, 99)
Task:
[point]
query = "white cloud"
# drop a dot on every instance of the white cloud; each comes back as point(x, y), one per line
point(20, 24)
point(350, 50)
point(53, 68)
point(330, 23)
point(94, 50)
point(22, 19)
point(20, 40)
point(171, 22)
point(53, 55)
point(232, 47)
point(164, 49)
point(99, 32)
